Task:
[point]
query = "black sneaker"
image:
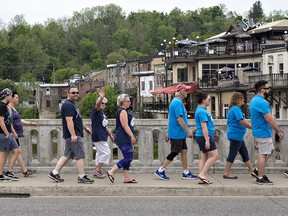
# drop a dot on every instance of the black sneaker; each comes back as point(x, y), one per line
point(254, 173)
point(264, 180)
point(56, 177)
point(11, 176)
point(4, 178)
point(286, 173)
point(85, 180)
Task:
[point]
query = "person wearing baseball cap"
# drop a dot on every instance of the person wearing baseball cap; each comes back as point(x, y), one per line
point(177, 133)
point(7, 140)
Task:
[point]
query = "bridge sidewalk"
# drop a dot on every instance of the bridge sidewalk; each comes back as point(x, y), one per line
point(148, 185)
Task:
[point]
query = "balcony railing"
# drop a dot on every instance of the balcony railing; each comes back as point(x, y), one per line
point(43, 145)
point(275, 80)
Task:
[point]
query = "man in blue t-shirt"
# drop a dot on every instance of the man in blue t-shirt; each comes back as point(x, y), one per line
point(262, 124)
point(177, 133)
point(73, 134)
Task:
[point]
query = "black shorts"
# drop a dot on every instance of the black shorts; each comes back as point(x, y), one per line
point(177, 145)
point(201, 143)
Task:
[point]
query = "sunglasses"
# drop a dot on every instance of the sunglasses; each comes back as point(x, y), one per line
point(104, 103)
point(74, 93)
point(266, 88)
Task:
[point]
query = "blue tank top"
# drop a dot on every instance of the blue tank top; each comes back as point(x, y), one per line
point(120, 134)
point(17, 124)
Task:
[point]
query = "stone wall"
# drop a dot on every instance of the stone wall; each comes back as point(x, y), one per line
point(43, 145)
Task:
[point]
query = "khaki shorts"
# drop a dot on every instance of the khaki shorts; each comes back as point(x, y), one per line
point(265, 145)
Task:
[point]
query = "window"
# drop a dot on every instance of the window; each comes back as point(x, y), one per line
point(213, 107)
point(182, 75)
point(48, 103)
point(270, 60)
point(128, 69)
point(281, 70)
point(277, 111)
point(150, 85)
point(47, 91)
point(194, 74)
point(226, 107)
point(143, 86)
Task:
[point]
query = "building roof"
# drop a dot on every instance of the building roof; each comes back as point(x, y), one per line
point(280, 25)
point(54, 85)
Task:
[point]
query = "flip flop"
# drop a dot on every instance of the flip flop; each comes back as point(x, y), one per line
point(111, 178)
point(132, 181)
point(204, 181)
point(229, 177)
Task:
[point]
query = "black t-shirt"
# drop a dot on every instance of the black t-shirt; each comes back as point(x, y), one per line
point(7, 117)
point(69, 108)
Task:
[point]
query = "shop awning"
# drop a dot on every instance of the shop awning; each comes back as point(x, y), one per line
point(172, 89)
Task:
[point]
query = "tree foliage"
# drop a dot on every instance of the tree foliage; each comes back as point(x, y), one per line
point(96, 36)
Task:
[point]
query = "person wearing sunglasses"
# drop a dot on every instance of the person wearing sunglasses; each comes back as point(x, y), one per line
point(263, 122)
point(73, 134)
point(100, 133)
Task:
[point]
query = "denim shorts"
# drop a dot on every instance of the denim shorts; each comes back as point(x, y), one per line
point(7, 144)
point(74, 149)
point(201, 143)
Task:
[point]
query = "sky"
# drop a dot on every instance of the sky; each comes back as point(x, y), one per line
point(38, 11)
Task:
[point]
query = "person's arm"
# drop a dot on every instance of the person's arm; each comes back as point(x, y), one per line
point(29, 122)
point(245, 124)
point(124, 123)
point(70, 126)
point(183, 125)
point(99, 103)
point(87, 129)
point(206, 135)
point(271, 121)
point(3, 126)
point(110, 134)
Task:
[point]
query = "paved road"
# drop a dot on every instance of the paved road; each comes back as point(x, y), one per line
point(138, 206)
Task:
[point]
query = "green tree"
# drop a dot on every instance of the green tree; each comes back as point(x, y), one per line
point(26, 86)
point(88, 102)
point(64, 74)
point(6, 83)
point(256, 12)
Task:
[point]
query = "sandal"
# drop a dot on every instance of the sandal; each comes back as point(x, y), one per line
point(132, 181)
point(110, 177)
point(204, 181)
point(29, 172)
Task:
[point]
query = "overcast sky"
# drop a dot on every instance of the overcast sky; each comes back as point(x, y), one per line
point(38, 11)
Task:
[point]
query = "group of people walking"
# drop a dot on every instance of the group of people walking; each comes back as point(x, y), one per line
point(262, 124)
point(11, 132)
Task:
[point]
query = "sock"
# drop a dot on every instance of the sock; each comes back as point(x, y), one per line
point(161, 169)
point(260, 177)
point(55, 172)
point(186, 171)
point(81, 176)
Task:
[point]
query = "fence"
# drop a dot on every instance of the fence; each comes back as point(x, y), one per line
point(43, 145)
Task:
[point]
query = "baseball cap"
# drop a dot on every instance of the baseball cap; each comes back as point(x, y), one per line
point(181, 87)
point(5, 92)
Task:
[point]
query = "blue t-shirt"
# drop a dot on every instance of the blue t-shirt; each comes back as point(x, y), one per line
point(69, 109)
point(201, 115)
point(177, 109)
point(99, 125)
point(258, 108)
point(235, 130)
point(121, 136)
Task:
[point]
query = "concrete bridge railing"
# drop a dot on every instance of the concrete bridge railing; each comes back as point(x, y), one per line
point(43, 145)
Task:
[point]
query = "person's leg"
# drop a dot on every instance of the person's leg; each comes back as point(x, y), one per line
point(102, 154)
point(233, 151)
point(80, 166)
point(245, 156)
point(202, 161)
point(261, 163)
point(212, 157)
point(60, 164)
point(2, 161)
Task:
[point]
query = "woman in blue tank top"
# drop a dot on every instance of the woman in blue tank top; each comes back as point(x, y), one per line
point(124, 138)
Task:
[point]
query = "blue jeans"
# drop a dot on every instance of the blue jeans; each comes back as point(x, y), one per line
point(235, 147)
point(128, 153)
